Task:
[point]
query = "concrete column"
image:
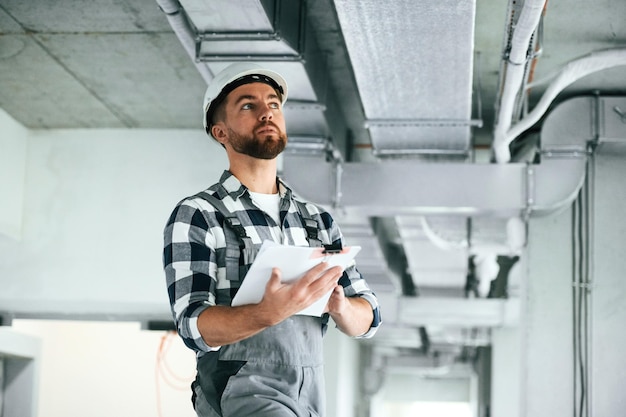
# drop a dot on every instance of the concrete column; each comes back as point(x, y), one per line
point(608, 294)
point(546, 338)
point(341, 360)
point(13, 142)
point(506, 373)
point(532, 374)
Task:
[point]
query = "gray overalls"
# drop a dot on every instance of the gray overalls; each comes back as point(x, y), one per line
point(279, 371)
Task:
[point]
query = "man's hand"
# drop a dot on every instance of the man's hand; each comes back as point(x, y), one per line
point(353, 315)
point(282, 300)
point(337, 303)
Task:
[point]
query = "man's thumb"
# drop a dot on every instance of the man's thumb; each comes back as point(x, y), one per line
point(274, 278)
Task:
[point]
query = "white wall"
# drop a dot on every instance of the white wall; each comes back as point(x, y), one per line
point(95, 204)
point(13, 145)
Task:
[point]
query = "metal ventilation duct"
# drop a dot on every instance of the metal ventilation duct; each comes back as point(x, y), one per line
point(392, 188)
point(275, 34)
point(410, 108)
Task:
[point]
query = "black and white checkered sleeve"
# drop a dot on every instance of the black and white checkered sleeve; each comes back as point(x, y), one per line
point(190, 270)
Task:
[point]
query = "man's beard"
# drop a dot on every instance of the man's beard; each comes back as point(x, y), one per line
point(261, 147)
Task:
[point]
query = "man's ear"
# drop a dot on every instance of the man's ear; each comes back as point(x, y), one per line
point(218, 130)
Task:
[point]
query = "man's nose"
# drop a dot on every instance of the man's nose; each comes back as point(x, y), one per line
point(266, 113)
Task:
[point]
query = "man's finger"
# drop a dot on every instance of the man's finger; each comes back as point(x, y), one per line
point(275, 278)
point(327, 281)
point(314, 273)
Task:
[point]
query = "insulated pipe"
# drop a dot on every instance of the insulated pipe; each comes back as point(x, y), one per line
point(178, 22)
point(515, 70)
point(514, 232)
point(573, 71)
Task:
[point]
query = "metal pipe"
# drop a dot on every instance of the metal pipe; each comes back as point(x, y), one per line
point(591, 181)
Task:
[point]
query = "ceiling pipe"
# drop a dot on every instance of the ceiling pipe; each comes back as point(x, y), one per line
point(504, 132)
point(573, 71)
point(181, 27)
point(515, 72)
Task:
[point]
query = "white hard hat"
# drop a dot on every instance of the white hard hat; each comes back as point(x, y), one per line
point(232, 77)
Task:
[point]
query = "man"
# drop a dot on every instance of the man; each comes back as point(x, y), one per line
point(258, 359)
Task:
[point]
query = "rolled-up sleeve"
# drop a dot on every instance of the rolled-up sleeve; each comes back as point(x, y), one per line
point(190, 270)
point(355, 286)
point(376, 321)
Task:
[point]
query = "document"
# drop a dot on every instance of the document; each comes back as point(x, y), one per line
point(293, 262)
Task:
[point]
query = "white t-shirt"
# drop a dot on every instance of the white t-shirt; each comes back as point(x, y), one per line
point(269, 203)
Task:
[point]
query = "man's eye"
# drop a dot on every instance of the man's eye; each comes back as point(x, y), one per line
point(246, 106)
point(275, 105)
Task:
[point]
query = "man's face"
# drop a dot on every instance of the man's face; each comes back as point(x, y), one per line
point(254, 121)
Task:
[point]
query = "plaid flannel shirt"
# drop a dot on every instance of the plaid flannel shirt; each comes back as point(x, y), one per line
point(195, 246)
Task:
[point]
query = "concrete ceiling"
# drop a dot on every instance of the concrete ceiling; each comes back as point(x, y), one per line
point(117, 63)
point(392, 75)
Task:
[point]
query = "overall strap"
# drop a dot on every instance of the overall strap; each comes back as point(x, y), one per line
point(310, 224)
point(237, 240)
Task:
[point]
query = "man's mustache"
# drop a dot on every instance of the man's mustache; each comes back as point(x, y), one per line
point(265, 124)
